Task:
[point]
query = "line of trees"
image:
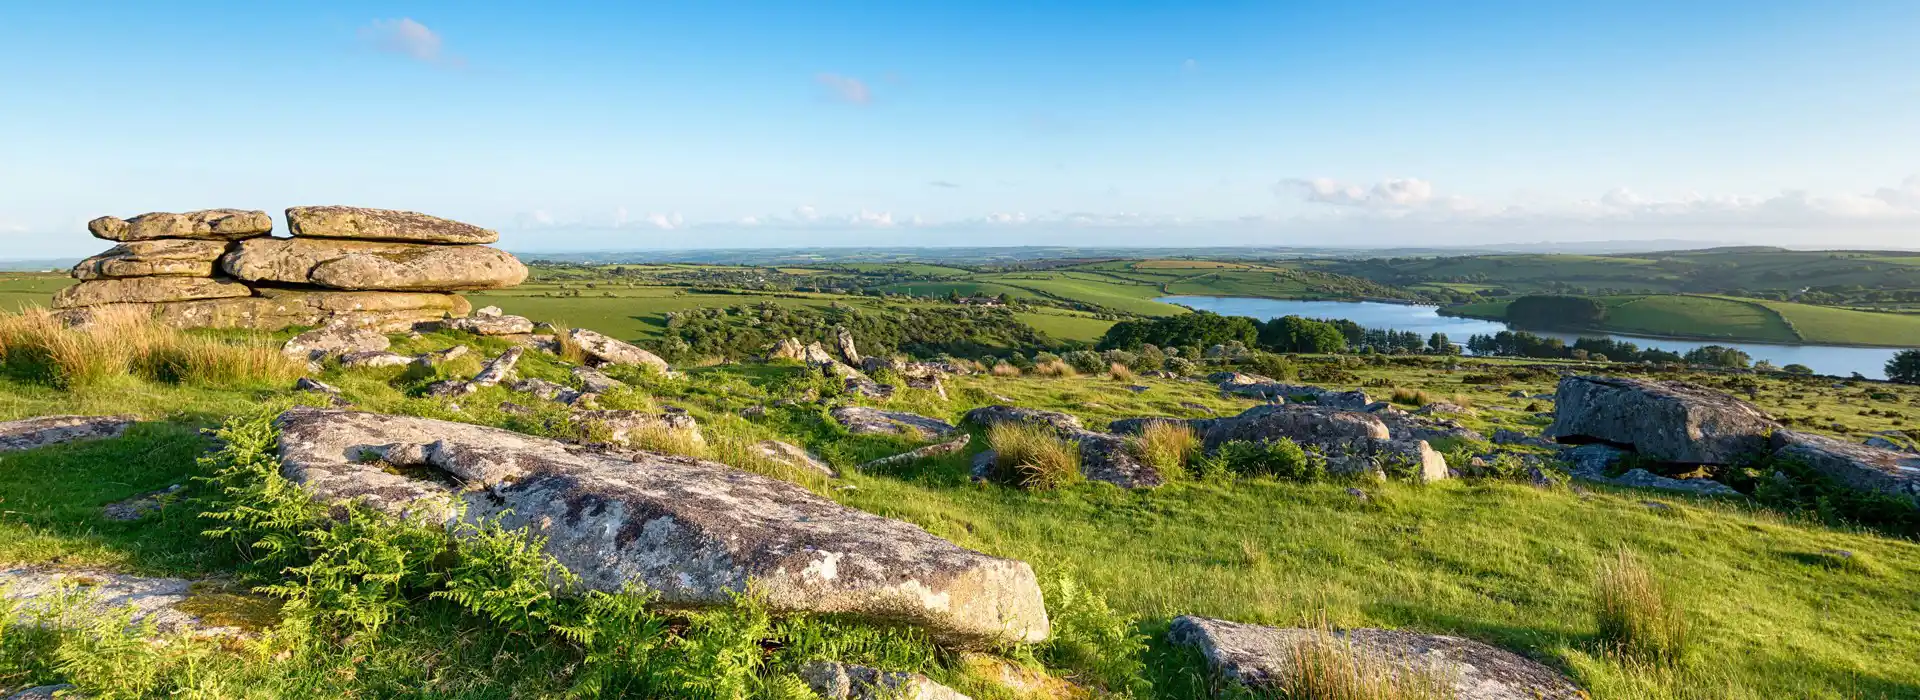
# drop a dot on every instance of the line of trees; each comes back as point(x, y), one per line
point(1285, 334)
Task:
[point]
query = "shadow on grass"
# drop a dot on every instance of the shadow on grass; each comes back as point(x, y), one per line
point(52, 502)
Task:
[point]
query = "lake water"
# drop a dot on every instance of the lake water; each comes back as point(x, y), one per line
point(1425, 320)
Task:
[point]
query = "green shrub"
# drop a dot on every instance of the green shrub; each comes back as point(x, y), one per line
point(1091, 639)
point(1085, 361)
point(1167, 447)
point(1033, 456)
point(1282, 459)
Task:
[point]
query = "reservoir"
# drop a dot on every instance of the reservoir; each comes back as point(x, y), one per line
point(1824, 359)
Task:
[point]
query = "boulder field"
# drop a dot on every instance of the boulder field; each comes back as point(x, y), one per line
point(222, 268)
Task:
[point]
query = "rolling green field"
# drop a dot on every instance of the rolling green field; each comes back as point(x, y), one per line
point(1730, 318)
point(29, 290)
point(1066, 325)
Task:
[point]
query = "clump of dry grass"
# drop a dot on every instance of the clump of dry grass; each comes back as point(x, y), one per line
point(1168, 446)
point(1053, 368)
point(1004, 368)
point(1422, 397)
point(1034, 455)
point(1636, 615)
point(1327, 667)
point(1120, 372)
point(115, 343)
point(569, 350)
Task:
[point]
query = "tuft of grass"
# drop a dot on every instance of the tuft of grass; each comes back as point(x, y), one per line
point(117, 343)
point(1120, 372)
point(1034, 455)
point(1636, 615)
point(1053, 368)
point(1327, 667)
point(570, 351)
point(1167, 446)
point(1004, 368)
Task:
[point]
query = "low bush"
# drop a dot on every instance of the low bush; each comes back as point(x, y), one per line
point(1053, 368)
point(1033, 456)
point(1005, 369)
point(1092, 640)
point(1167, 446)
point(1282, 459)
point(1120, 372)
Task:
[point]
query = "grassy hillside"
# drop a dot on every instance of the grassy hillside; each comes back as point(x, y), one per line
point(1505, 563)
point(1731, 318)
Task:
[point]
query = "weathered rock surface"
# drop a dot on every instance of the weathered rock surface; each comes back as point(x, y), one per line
point(208, 224)
point(375, 358)
point(34, 433)
point(848, 350)
point(1261, 657)
point(596, 381)
point(794, 456)
point(614, 352)
point(816, 354)
point(491, 321)
point(142, 505)
point(988, 416)
point(695, 532)
point(337, 338)
point(163, 601)
point(147, 290)
point(1412, 426)
point(366, 224)
point(1665, 421)
point(1404, 458)
point(619, 427)
point(788, 349)
point(837, 681)
point(861, 420)
point(1301, 423)
point(935, 450)
point(1592, 462)
point(499, 369)
point(64, 691)
point(1853, 465)
point(155, 258)
point(274, 309)
point(368, 265)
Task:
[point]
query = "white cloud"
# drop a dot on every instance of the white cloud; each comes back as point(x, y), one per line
point(880, 219)
point(805, 212)
point(665, 222)
point(1189, 65)
point(1397, 193)
point(408, 38)
point(845, 89)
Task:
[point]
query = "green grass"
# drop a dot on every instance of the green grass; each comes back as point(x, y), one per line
point(1697, 316)
point(1066, 325)
point(1823, 324)
point(1091, 288)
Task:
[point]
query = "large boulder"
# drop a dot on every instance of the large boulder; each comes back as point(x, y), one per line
point(693, 532)
point(209, 224)
point(166, 257)
point(33, 433)
point(1263, 658)
point(940, 449)
point(862, 420)
point(1665, 421)
point(1853, 465)
point(147, 290)
point(1301, 423)
point(1103, 457)
point(491, 321)
point(382, 225)
point(1373, 457)
point(988, 416)
point(274, 309)
point(337, 338)
point(787, 349)
point(848, 350)
point(369, 265)
point(619, 426)
point(609, 351)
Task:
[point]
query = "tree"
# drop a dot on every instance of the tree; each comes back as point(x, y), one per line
point(1718, 356)
point(1797, 368)
point(1439, 343)
point(1904, 367)
point(1296, 334)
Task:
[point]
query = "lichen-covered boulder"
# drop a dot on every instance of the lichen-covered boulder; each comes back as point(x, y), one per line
point(596, 381)
point(1305, 424)
point(786, 349)
point(1103, 457)
point(366, 224)
point(862, 420)
point(147, 290)
point(167, 603)
point(615, 352)
point(794, 456)
point(1853, 465)
point(209, 224)
point(988, 416)
point(274, 309)
point(1262, 658)
point(1665, 421)
point(619, 426)
point(31, 433)
point(491, 321)
point(692, 531)
point(167, 257)
point(338, 338)
point(369, 265)
point(848, 350)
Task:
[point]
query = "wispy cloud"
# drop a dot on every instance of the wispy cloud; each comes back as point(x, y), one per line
point(1190, 65)
point(845, 89)
point(409, 38)
point(944, 183)
point(1397, 193)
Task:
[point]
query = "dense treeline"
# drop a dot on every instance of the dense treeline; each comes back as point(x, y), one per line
point(1524, 344)
point(1556, 311)
point(738, 332)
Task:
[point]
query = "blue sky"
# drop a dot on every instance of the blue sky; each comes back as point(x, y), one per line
point(683, 124)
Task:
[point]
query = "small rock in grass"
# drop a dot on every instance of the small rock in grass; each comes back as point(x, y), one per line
point(139, 506)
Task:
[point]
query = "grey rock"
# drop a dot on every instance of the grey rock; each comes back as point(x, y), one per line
point(499, 369)
point(361, 223)
point(988, 416)
point(542, 388)
point(619, 427)
point(1440, 407)
point(39, 593)
point(1665, 421)
point(148, 290)
point(794, 456)
point(1592, 462)
point(1103, 457)
point(982, 468)
point(614, 352)
point(372, 266)
point(490, 321)
point(430, 360)
point(1641, 478)
point(596, 381)
point(336, 338)
point(375, 358)
point(957, 444)
point(848, 350)
point(1882, 442)
point(1374, 457)
point(163, 257)
point(1137, 425)
point(140, 506)
point(1853, 465)
point(833, 680)
point(33, 433)
point(862, 420)
point(1262, 657)
point(1504, 436)
point(1301, 423)
point(787, 349)
point(65, 691)
point(692, 531)
point(207, 224)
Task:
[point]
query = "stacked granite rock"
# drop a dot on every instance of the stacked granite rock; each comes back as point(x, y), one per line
point(221, 268)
